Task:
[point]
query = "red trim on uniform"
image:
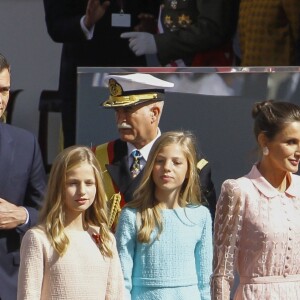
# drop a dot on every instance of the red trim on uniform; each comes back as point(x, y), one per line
point(122, 202)
point(110, 151)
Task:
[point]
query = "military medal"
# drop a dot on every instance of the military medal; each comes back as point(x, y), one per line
point(184, 21)
point(174, 4)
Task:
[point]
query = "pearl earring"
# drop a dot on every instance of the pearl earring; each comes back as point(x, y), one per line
point(265, 151)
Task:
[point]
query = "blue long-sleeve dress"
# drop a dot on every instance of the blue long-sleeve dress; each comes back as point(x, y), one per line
point(178, 265)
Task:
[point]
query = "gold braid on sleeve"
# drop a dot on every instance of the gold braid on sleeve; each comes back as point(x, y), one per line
point(114, 208)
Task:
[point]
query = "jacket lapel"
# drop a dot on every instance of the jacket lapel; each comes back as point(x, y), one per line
point(6, 155)
point(119, 171)
point(120, 174)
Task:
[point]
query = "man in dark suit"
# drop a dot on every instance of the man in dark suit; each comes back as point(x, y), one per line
point(90, 32)
point(22, 184)
point(138, 101)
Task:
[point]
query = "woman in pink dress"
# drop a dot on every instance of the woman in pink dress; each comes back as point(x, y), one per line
point(257, 225)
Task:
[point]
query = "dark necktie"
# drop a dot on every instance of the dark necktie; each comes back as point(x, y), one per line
point(136, 165)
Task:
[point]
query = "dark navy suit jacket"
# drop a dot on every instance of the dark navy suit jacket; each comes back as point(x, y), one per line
point(22, 182)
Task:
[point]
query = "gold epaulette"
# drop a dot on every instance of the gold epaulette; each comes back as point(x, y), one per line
point(201, 164)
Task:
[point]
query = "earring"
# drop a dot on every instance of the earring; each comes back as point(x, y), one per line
point(265, 151)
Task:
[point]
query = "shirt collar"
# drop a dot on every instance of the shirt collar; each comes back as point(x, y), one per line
point(267, 189)
point(146, 149)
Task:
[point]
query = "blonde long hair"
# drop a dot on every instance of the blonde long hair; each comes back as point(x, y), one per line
point(144, 199)
point(52, 215)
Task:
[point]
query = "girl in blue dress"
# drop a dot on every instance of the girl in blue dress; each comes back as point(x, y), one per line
point(164, 235)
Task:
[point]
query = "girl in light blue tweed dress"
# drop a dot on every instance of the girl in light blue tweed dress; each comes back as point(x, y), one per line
point(164, 235)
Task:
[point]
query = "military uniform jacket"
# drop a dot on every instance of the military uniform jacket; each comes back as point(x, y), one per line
point(112, 157)
point(191, 26)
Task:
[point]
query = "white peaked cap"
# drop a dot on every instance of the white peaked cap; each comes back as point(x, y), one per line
point(132, 89)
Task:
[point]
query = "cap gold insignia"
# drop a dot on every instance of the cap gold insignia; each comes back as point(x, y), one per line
point(115, 88)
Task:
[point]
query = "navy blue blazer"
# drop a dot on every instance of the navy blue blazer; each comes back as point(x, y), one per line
point(23, 183)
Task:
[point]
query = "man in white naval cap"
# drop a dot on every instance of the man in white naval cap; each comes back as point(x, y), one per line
point(138, 101)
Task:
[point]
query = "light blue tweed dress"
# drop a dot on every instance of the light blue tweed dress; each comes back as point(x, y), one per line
point(177, 266)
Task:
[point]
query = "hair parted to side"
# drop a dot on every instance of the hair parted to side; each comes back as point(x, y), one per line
point(144, 200)
point(271, 117)
point(52, 215)
point(3, 63)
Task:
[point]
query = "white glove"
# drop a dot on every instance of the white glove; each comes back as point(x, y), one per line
point(140, 42)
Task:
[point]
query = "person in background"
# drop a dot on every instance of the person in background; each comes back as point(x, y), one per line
point(138, 101)
point(257, 224)
point(90, 33)
point(268, 32)
point(22, 186)
point(164, 236)
point(71, 254)
point(190, 33)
